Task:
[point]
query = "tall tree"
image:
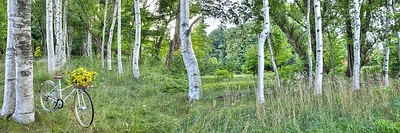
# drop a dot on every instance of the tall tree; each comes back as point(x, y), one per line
point(110, 36)
point(174, 44)
point(189, 57)
point(389, 12)
point(58, 34)
point(19, 34)
point(89, 46)
point(49, 36)
point(310, 66)
point(261, 41)
point(356, 45)
point(135, 62)
point(103, 35)
point(120, 70)
point(319, 48)
point(65, 34)
point(9, 83)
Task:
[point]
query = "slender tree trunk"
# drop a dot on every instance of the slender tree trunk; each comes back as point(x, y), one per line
point(319, 48)
point(356, 44)
point(20, 17)
point(398, 45)
point(386, 45)
point(69, 43)
point(58, 28)
point(89, 46)
point(174, 44)
point(120, 70)
point(189, 57)
point(261, 41)
point(135, 65)
point(103, 35)
point(49, 36)
point(350, 49)
point(65, 34)
point(310, 66)
point(8, 107)
point(110, 36)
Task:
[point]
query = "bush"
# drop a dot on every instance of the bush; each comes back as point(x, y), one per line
point(223, 74)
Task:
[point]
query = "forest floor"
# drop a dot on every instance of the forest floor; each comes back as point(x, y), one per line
point(157, 103)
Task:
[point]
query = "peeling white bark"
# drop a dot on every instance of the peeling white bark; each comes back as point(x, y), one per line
point(310, 66)
point(319, 54)
point(49, 36)
point(110, 36)
point(386, 45)
point(135, 65)
point(189, 57)
point(59, 40)
point(356, 45)
point(103, 38)
point(9, 84)
point(120, 69)
point(20, 15)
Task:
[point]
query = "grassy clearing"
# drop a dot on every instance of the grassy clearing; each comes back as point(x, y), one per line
point(157, 103)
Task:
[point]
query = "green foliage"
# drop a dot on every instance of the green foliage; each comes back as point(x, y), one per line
point(385, 126)
point(223, 74)
point(282, 53)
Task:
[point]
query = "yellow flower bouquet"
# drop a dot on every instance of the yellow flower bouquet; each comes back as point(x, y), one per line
point(81, 78)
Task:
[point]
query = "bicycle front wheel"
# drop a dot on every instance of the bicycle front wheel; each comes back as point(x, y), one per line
point(84, 110)
point(48, 95)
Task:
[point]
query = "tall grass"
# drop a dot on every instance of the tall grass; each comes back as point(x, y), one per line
point(157, 103)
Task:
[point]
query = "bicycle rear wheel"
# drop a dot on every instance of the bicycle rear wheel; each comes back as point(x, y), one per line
point(84, 110)
point(48, 95)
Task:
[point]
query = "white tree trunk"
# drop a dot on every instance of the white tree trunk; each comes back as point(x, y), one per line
point(20, 15)
point(386, 45)
point(69, 43)
point(49, 36)
point(310, 66)
point(65, 34)
point(319, 57)
point(110, 36)
point(135, 65)
point(356, 45)
point(398, 44)
point(261, 41)
point(103, 34)
point(89, 46)
point(58, 28)
point(9, 83)
point(120, 70)
point(189, 57)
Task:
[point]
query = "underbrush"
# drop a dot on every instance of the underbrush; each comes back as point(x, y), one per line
point(157, 103)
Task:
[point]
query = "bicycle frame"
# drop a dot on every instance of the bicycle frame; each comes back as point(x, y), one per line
point(60, 90)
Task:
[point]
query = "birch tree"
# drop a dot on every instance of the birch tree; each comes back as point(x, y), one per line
point(310, 66)
point(89, 46)
point(58, 34)
point(120, 70)
point(65, 34)
point(356, 45)
point(103, 35)
point(261, 41)
point(135, 62)
point(9, 83)
point(319, 48)
point(110, 36)
point(49, 36)
point(189, 57)
point(19, 36)
point(386, 44)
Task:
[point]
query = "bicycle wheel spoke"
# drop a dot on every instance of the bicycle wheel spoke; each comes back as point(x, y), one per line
point(48, 95)
point(83, 108)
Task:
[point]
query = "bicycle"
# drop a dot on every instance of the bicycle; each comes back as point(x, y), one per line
point(51, 99)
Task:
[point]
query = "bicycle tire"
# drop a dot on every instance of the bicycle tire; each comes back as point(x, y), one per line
point(83, 108)
point(48, 95)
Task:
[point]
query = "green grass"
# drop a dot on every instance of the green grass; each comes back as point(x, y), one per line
point(157, 103)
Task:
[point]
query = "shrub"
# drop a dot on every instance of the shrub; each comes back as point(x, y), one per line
point(223, 74)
